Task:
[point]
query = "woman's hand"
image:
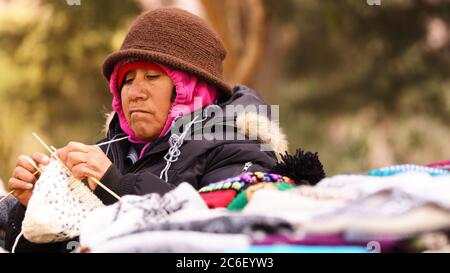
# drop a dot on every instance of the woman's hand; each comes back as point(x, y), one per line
point(25, 175)
point(84, 161)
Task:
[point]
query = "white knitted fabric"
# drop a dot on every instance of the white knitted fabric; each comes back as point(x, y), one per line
point(58, 206)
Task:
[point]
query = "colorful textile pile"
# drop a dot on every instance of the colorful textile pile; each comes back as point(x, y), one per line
point(403, 208)
point(177, 222)
point(390, 210)
point(220, 194)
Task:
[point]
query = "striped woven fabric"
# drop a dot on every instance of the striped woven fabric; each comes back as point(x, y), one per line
point(396, 169)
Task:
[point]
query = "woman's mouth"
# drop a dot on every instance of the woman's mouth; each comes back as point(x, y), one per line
point(138, 111)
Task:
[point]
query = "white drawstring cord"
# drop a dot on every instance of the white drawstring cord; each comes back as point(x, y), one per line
point(172, 155)
point(13, 250)
point(111, 141)
point(175, 142)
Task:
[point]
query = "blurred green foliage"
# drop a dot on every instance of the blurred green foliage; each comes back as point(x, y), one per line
point(50, 62)
point(364, 85)
point(359, 84)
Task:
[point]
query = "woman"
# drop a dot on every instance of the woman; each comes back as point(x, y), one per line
point(166, 82)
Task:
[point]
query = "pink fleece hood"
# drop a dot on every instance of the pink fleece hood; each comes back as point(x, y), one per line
point(187, 88)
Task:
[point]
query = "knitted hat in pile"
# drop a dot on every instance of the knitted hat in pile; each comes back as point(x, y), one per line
point(178, 39)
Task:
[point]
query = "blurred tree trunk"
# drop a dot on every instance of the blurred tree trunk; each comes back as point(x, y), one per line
point(242, 26)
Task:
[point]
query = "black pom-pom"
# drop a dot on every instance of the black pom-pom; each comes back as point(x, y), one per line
point(303, 168)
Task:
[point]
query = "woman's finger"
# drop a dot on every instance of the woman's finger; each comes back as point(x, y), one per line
point(19, 185)
point(98, 161)
point(23, 174)
point(25, 162)
point(75, 158)
point(81, 171)
point(78, 146)
point(71, 147)
point(40, 159)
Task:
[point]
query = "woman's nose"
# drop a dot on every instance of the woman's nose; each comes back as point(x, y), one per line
point(137, 90)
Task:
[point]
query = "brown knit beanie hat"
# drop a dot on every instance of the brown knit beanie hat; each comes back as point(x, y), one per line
point(178, 39)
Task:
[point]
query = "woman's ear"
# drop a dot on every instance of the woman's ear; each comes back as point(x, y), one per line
point(174, 94)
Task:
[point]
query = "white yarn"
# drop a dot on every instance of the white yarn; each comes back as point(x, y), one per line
point(16, 241)
point(58, 205)
point(176, 141)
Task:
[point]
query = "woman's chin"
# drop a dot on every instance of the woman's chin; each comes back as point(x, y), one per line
point(146, 133)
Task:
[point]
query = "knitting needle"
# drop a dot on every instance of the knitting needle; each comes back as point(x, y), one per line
point(53, 153)
point(105, 188)
point(4, 197)
point(42, 142)
point(34, 165)
point(96, 181)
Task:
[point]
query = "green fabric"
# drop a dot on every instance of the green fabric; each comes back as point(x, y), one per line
point(240, 201)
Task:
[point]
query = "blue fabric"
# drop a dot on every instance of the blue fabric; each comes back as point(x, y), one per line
point(300, 249)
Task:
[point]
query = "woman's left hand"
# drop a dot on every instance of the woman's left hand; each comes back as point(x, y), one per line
point(85, 161)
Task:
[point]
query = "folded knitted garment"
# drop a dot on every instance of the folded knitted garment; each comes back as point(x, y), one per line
point(220, 194)
point(400, 205)
point(178, 221)
point(58, 205)
point(228, 223)
point(300, 204)
point(135, 213)
point(174, 241)
point(443, 165)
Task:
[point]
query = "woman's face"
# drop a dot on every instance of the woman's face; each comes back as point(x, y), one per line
point(146, 95)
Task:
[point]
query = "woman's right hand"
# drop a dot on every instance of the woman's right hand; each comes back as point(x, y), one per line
point(25, 175)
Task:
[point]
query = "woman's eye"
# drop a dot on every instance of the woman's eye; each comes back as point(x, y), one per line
point(129, 81)
point(152, 77)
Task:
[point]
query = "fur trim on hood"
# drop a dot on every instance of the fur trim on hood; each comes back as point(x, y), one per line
point(268, 132)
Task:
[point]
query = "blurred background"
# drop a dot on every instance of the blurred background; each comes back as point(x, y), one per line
point(363, 85)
